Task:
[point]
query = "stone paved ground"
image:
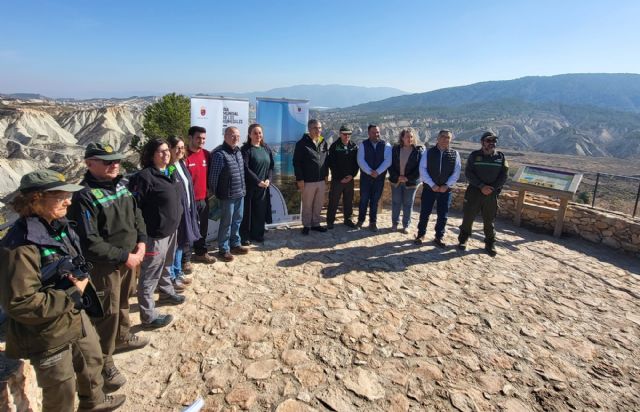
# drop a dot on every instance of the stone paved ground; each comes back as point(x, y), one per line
point(349, 321)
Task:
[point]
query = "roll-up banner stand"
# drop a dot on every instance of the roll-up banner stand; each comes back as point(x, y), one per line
point(216, 114)
point(284, 121)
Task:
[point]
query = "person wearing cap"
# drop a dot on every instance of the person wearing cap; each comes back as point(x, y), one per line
point(158, 193)
point(439, 171)
point(112, 234)
point(486, 171)
point(343, 164)
point(310, 168)
point(374, 158)
point(46, 303)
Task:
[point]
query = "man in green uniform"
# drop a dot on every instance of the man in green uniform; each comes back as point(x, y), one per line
point(112, 233)
point(486, 171)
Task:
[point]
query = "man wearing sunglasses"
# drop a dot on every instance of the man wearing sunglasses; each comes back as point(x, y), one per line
point(486, 171)
point(112, 234)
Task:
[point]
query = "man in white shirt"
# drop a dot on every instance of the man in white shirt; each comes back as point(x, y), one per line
point(439, 171)
point(374, 158)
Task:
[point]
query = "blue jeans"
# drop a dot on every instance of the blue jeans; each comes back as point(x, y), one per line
point(230, 219)
point(402, 197)
point(176, 268)
point(429, 197)
point(370, 193)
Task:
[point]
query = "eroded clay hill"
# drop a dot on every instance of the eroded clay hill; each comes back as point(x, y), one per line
point(349, 321)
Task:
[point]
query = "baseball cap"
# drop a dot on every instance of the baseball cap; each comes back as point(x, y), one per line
point(486, 135)
point(345, 129)
point(46, 180)
point(102, 151)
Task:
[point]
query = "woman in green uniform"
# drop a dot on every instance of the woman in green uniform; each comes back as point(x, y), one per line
point(44, 289)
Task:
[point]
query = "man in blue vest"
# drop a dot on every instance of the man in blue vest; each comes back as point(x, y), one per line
point(226, 181)
point(439, 171)
point(374, 158)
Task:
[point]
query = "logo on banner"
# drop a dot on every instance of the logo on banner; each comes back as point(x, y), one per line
point(203, 111)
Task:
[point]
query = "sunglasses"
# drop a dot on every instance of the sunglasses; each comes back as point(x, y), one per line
point(490, 140)
point(110, 162)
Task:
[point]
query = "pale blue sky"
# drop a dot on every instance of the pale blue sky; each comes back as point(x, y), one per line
point(116, 48)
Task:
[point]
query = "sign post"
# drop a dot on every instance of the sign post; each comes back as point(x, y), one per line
point(550, 182)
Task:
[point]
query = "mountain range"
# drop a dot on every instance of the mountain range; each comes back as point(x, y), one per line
point(576, 114)
point(322, 96)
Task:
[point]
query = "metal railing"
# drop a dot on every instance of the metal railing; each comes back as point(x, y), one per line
point(628, 178)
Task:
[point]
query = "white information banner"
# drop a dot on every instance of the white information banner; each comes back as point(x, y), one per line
point(215, 114)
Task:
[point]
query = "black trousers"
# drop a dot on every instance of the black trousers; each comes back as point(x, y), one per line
point(200, 245)
point(337, 190)
point(256, 207)
point(475, 202)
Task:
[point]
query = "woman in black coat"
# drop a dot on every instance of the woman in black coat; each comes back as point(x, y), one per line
point(258, 167)
point(404, 175)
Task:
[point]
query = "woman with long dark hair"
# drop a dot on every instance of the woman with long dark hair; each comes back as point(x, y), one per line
point(158, 193)
point(404, 175)
point(258, 167)
point(189, 227)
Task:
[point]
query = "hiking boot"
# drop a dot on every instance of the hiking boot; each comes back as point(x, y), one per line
point(239, 250)
point(187, 268)
point(418, 240)
point(305, 231)
point(330, 226)
point(462, 245)
point(491, 249)
point(394, 227)
point(131, 342)
point(178, 286)
point(225, 256)
point(349, 223)
point(160, 322)
point(404, 231)
point(205, 258)
point(319, 228)
point(171, 299)
point(360, 224)
point(373, 227)
point(185, 280)
point(113, 379)
point(109, 403)
point(438, 242)
point(246, 243)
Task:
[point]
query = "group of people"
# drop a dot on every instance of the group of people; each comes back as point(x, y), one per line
point(138, 236)
point(407, 166)
point(78, 252)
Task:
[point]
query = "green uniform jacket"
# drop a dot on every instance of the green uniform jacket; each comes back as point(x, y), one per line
point(41, 319)
point(486, 170)
point(109, 222)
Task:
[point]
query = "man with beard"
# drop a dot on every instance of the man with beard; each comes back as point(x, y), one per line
point(486, 171)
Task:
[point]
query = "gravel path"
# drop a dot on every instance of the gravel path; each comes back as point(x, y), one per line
point(350, 320)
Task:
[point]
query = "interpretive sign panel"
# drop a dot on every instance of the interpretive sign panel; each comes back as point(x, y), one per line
point(548, 178)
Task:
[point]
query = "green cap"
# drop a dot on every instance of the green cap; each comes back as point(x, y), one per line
point(46, 180)
point(345, 129)
point(102, 151)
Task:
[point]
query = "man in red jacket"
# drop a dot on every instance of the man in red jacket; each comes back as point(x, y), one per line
point(198, 165)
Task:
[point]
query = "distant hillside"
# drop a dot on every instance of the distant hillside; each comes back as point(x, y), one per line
point(610, 91)
point(330, 96)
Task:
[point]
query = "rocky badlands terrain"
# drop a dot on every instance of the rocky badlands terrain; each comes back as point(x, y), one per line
point(38, 133)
